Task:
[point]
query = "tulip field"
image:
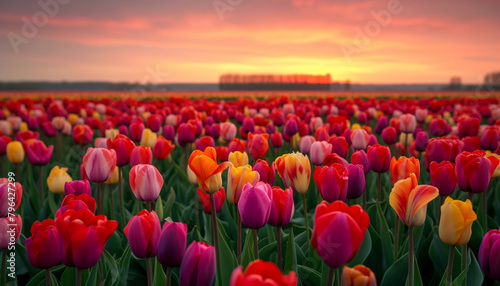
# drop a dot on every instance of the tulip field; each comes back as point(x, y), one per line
point(273, 190)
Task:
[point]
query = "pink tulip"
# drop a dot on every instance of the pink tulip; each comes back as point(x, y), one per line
point(146, 182)
point(99, 164)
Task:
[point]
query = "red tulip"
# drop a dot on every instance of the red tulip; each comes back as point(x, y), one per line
point(135, 131)
point(474, 171)
point(48, 129)
point(162, 148)
point(338, 232)
point(22, 136)
point(83, 237)
point(143, 233)
point(379, 157)
point(360, 158)
point(44, 234)
point(72, 202)
point(258, 145)
point(11, 194)
point(123, 146)
point(332, 182)
point(4, 140)
point(276, 139)
point(141, 155)
point(82, 134)
point(237, 145)
point(99, 164)
point(389, 135)
point(468, 127)
point(490, 138)
point(267, 173)
point(10, 230)
point(198, 265)
point(219, 198)
point(146, 182)
point(222, 153)
point(260, 272)
point(172, 244)
point(186, 133)
point(443, 177)
point(339, 145)
point(204, 142)
point(154, 122)
point(282, 207)
point(471, 143)
point(38, 153)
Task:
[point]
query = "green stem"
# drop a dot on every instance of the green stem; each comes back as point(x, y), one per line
point(111, 202)
point(169, 276)
point(464, 261)
point(305, 217)
point(407, 149)
point(449, 275)
point(98, 198)
point(255, 244)
point(78, 277)
point(149, 270)
point(48, 279)
point(4, 267)
point(329, 280)
point(216, 238)
point(120, 195)
point(484, 217)
point(410, 257)
point(40, 187)
point(59, 146)
point(278, 245)
point(379, 193)
point(364, 200)
point(196, 208)
point(238, 237)
point(396, 239)
point(148, 206)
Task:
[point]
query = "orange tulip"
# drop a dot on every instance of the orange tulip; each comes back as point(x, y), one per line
point(359, 275)
point(207, 171)
point(403, 167)
point(295, 171)
point(410, 200)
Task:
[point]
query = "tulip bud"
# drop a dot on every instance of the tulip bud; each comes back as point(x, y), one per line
point(267, 173)
point(282, 207)
point(10, 228)
point(359, 275)
point(379, 158)
point(359, 138)
point(148, 138)
point(456, 221)
point(488, 254)
point(99, 164)
point(15, 152)
point(319, 150)
point(141, 155)
point(57, 179)
point(77, 187)
point(356, 182)
point(43, 234)
point(360, 158)
point(255, 204)
point(172, 244)
point(238, 158)
point(206, 203)
point(295, 171)
point(306, 143)
point(143, 232)
point(146, 182)
point(258, 145)
point(198, 265)
point(82, 134)
point(332, 182)
point(408, 123)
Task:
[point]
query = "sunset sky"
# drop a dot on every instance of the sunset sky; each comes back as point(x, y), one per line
point(191, 41)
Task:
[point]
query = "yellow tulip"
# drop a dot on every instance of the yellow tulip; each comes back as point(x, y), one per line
point(238, 158)
point(192, 176)
point(295, 171)
point(148, 138)
point(111, 133)
point(24, 126)
point(497, 170)
point(15, 152)
point(237, 178)
point(355, 126)
point(73, 118)
point(456, 221)
point(57, 178)
point(114, 177)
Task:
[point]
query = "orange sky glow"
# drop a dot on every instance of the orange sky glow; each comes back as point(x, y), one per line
point(366, 41)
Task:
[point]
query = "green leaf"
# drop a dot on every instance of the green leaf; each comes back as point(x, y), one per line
point(92, 280)
point(397, 273)
point(247, 253)
point(291, 254)
point(124, 263)
point(385, 237)
point(310, 275)
point(364, 250)
point(111, 266)
point(169, 204)
point(474, 273)
point(159, 208)
point(69, 276)
point(228, 259)
point(268, 250)
point(159, 277)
